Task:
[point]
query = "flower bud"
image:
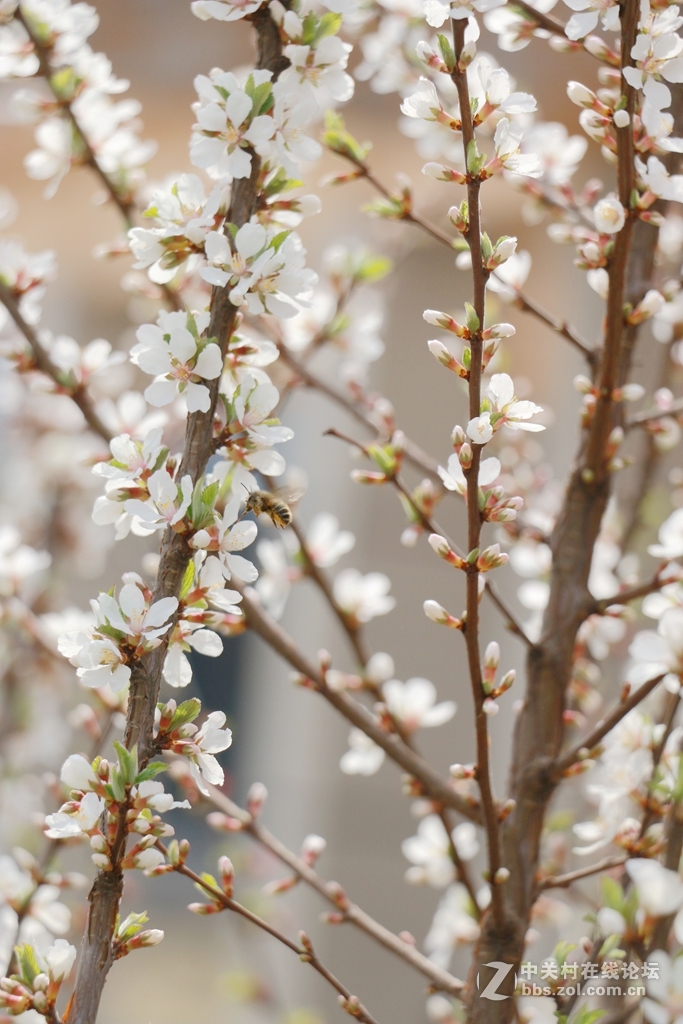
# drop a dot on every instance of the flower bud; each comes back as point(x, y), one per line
point(621, 118)
point(440, 352)
point(501, 876)
point(227, 873)
point(581, 95)
point(443, 320)
point(312, 848)
point(490, 708)
point(256, 798)
point(223, 822)
point(499, 331)
point(440, 173)
point(437, 613)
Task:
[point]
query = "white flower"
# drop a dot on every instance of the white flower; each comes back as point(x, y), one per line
point(454, 479)
point(169, 501)
point(364, 757)
point(509, 277)
point(609, 215)
point(364, 597)
point(224, 10)
point(424, 103)
point(480, 429)
point(292, 113)
point(77, 773)
point(414, 703)
point(320, 69)
point(143, 624)
point(325, 542)
point(657, 653)
point(227, 536)
point(67, 825)
point(508, 140)
point(229, 124)
point(660, 891)
point(659, 181)
point(453, 925)
point(670, 537)
point(178, 364)
point(177, 670)
point(211, 739)
point(429, 851)
point(60, 958)
point(98, 660)
point(508, 410)
point(579, 25)
point(664, 1000)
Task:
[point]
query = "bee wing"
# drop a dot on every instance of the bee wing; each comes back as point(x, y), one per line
point(290, 495)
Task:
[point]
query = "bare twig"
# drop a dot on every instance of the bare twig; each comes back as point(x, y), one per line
point(643, 419)
point(474, 517)
point(304, 951)
point(559, 325)
point(433, 784)
point(77, 392)
point(582, 749)
point(438, 977)
point(651, 586)
point(562, 881)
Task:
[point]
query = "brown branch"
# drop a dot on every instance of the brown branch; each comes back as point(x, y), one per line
point(432, 526)
point(474, 517)
point(96, 951)
point(438, 977)
point(563, 881)
point(43, 52)
point(650, 586)
point(643, 419)
point(78, 393)
point(583, 749)
point(461, 872)
point(304, 952)
point(558, 325)
point(432, 783)
point(546, 21)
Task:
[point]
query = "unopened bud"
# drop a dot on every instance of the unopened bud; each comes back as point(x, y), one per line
point(227, 873)
point(256, 798)
point(223, 822)
point(501, 876)
point(506, 809)
point(581, 95)
point(443, 320)
point(490, 708)
point(621, 118)
point(440, 173)
point(437, 613)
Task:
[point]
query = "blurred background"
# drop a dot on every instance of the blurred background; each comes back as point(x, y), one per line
point(215, 969)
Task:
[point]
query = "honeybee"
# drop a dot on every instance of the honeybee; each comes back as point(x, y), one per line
point(272, 505)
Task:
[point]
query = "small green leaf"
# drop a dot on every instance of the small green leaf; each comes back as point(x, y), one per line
point(153, 769)
point(28, 964)
point(185, 712)
point(128, 762)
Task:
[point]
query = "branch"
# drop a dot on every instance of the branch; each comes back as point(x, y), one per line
point(559, 325)
point(76, 392)
point(436, 787)
point(145, 682)
point(432, 526)
point(583, 749)
point(650, 586)
point(643, 419)
point(43, 53)
point(304, 951)
point(474, 516)
point(563, 881)
point(439, 978)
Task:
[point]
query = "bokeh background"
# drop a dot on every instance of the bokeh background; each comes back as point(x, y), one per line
point(215, 969)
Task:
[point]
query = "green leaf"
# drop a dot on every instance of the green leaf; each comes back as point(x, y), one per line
point(340, 141)
point(475, 159)
point(471, 319)
point(587, 1016)
point(28, 964)
point(384, 457)
point(130, 926)
point(612, 894)
point(185, 712)
point(128, 762)
point(116, 786)
point(188, 580)
point(328, 25)
point(446, 51)
point(371, 268)
point(153, 769)
point(191, 325)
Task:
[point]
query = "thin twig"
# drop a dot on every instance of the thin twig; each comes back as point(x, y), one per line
point(273, 634)
point(605, 725)
point(563, 881)
point(651, 586)
point(438, 977)
point(304, 952)
point(643, 419)
point(432, 526)
point(474, 516)
point(558, 325)
point(78, 393)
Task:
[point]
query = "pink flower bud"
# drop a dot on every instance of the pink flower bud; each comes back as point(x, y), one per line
point(227, 873)
point(256, 798)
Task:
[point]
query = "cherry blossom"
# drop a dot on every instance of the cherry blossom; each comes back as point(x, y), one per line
point(670, 537)
point(363, 757)
point(224, 10)
point(325, 542)
point(454, 478)
point(453, 925)
point(188, 636)
point(580, 24)
point(230, 120)
point(414, 703)
point(320, 69)
point(658, 653)
point(429, 851)
point(609, 215)
point(502, 408)
point(79, 821)
point(169, 501)
point(179, 361)
point(226, 537)
point(364, 597)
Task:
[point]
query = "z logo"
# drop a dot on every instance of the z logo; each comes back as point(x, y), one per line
point(502, 970)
